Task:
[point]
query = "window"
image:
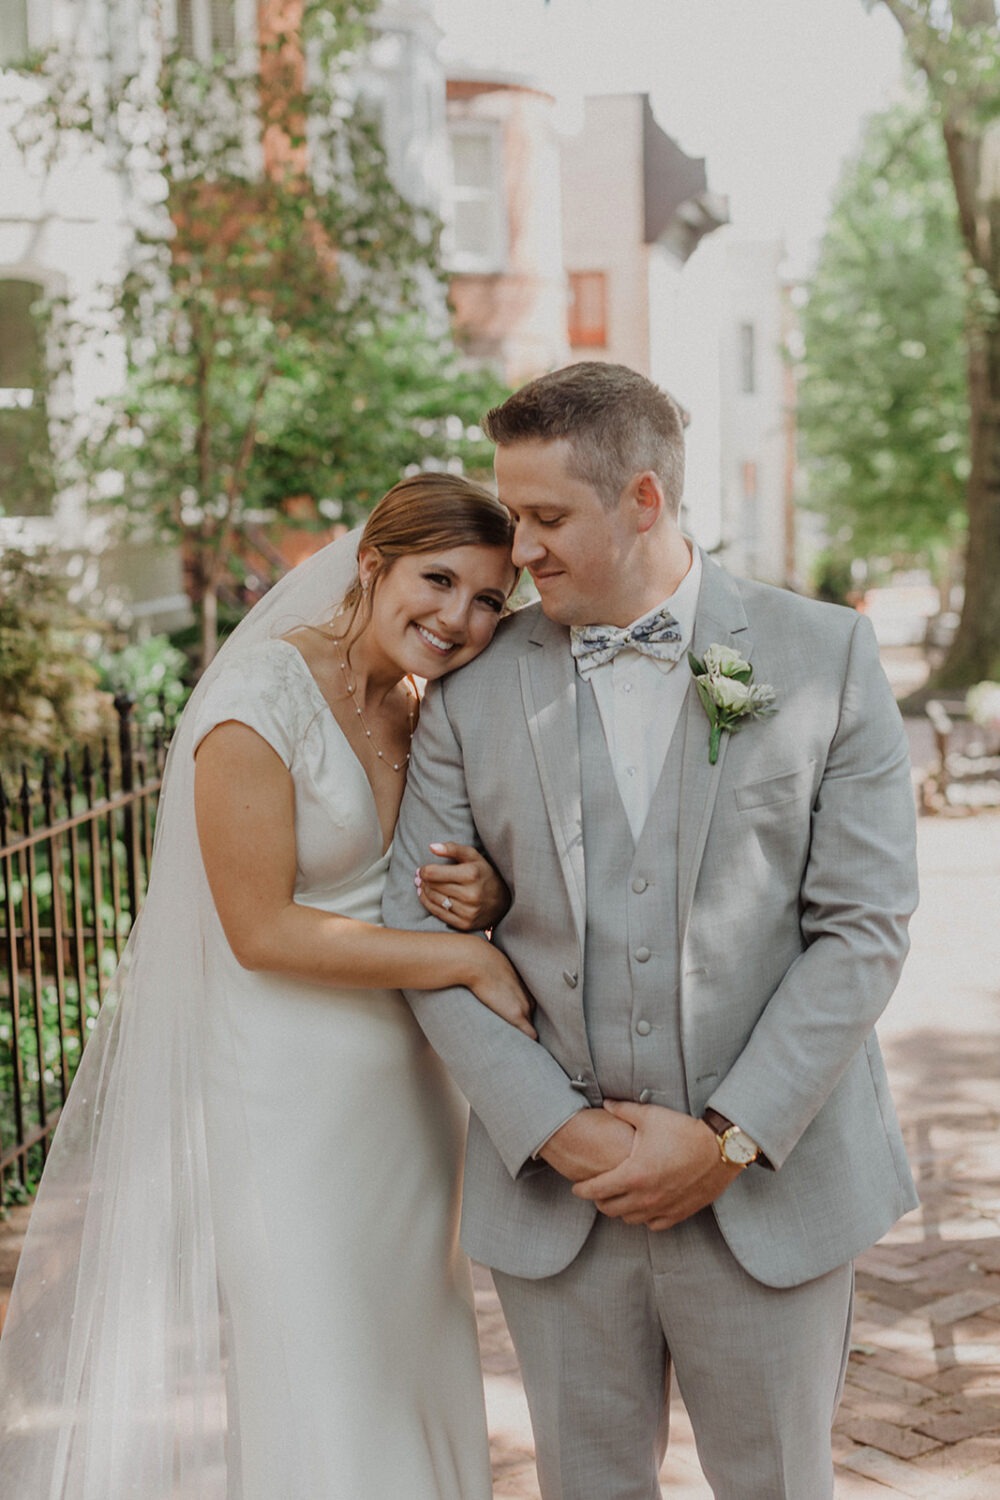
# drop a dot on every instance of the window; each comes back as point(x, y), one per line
point(748, 359)
point(476, 237)
point(588, 309)
point(25, 456)
point(13, 32)
point(750, 511)
point(205, 27)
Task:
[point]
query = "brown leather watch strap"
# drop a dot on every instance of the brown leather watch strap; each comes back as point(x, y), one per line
point(717, 1122)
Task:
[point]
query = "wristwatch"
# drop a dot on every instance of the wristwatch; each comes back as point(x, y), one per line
point(736, 1148)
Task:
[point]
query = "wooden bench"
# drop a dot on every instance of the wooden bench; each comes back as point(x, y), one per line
point(966, 774)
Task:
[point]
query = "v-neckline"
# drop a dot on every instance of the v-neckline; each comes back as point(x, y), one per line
point(343, 734)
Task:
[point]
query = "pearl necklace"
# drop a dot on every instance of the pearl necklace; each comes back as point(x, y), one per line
point(352, 688)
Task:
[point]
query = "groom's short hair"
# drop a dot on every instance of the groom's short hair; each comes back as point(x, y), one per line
point(616, 421)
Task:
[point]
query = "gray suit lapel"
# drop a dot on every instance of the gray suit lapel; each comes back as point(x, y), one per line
point(721, 620)
point(548, 690)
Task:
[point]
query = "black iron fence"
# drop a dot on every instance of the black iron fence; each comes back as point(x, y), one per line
point(75, 847)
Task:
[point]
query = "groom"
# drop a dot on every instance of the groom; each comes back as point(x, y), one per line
point(678, 1173)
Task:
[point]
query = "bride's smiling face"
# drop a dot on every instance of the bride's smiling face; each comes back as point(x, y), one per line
point(432, 612)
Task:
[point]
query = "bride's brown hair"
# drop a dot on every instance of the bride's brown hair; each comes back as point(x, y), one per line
point(427, 513)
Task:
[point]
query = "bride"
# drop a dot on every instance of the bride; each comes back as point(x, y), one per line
point(241, 1280)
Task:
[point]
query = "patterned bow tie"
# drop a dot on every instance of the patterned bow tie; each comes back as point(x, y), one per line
point(658, 635)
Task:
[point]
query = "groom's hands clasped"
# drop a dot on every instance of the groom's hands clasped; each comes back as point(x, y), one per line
point(673, 1169)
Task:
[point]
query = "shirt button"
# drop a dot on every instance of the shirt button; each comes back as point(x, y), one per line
point(639, 885)
point(630, 770)
point(643, 1028)
point(571, 979)
point(626, 687)
point(642, 955)
point(645, 1096)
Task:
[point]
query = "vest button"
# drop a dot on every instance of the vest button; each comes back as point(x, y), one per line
point(645, 1096)
point(643, 1028)
point(642, 955)
point(571, 979)
point(639, 885)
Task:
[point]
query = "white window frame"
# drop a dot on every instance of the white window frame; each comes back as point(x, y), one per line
point(34, 35)
point(748, 352)
point(244, 26)
point(495, 259)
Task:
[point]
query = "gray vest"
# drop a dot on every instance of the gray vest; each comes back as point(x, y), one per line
point(631, 962)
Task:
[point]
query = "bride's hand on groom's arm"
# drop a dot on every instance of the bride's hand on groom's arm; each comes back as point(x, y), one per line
point(673, 1169)
point(495, 982)
point(467, 892)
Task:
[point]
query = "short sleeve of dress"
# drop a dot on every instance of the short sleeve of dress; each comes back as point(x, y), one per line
point(262, 689)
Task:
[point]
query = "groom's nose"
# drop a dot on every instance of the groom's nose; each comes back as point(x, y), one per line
point(526, 549)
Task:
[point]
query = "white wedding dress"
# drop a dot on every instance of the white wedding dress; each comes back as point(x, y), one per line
point(334, 1138)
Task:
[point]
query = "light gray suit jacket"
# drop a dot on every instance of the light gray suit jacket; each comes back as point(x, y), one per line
point(796, 880)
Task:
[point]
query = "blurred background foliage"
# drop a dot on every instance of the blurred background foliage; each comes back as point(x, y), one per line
point(882, 400)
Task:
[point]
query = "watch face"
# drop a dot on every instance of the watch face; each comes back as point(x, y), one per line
point(738, 1148)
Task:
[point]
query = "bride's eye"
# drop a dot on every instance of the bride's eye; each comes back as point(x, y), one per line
point(492, 602)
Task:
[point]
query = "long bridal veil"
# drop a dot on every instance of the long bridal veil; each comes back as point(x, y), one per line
point(112, 1360)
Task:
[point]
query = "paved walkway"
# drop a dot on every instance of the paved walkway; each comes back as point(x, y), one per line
point(921, 1410)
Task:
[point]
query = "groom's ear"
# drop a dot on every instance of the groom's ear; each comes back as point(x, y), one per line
point(644, 493)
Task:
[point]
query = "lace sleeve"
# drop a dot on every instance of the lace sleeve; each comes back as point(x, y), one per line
point(259, 688)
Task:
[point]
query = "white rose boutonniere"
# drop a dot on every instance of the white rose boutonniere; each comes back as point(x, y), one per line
point(728, 693)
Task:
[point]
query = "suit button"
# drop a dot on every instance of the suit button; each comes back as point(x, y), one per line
point(645, 1096)
point(571, 979)
point(643, 1028)
point(642, 955)
point(639, 885)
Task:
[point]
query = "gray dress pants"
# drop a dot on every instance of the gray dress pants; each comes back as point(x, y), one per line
point(760, 1369)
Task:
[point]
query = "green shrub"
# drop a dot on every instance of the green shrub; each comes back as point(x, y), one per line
point(49, 692)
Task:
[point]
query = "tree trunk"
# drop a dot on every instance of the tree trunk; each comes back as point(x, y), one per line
point(209, 610)
point(975, 652)
point(203, 591)
point(974, 157)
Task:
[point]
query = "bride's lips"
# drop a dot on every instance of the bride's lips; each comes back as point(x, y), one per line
point(435, 643)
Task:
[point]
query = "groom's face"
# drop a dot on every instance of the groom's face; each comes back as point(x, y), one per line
point(576, 548)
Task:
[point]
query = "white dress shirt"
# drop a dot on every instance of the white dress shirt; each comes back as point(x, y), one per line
point(640, 701)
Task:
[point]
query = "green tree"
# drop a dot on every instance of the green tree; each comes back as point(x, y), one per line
point(883, 409)
point(956, 44)
point(388, 397)
point(275, 273)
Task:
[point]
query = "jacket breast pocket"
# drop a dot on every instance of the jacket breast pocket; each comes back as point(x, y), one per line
point(787, 786)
